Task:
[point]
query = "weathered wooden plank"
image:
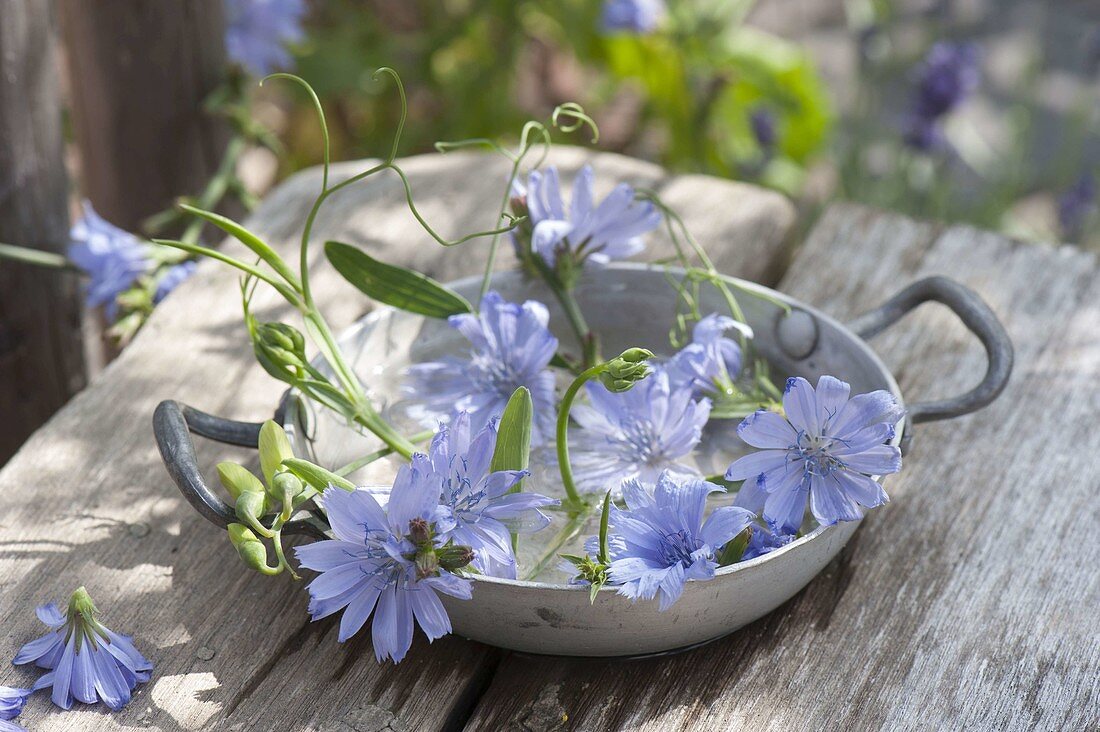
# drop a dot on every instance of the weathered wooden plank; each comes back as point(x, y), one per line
point(141, 72)
point(969, 602)
point(41, 351)
point(87, 501)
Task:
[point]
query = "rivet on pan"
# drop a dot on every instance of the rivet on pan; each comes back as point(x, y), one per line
point(796, 333)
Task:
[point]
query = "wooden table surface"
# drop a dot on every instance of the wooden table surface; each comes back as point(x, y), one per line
point(971, 601)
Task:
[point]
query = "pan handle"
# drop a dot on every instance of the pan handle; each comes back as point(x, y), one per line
point(975, 315)
point(173, 425)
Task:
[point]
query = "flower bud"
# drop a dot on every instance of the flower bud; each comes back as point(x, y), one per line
point(251, 507)
point(420, 532)
point(427, 563)
point(283, 347)
point(454, 556)
point(285, 487)
point(251, 550)
point(622, 372)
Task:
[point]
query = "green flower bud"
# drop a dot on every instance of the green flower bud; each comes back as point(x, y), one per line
point(250, 508)
point(285, 487)
point(427, 563)
point(283, 347)
point(274, 449)
point(251, 550)
point(454, 556)
point(622, 372)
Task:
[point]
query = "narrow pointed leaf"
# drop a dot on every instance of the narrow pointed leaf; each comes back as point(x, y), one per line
point(261, 248)
point(514, 435)
point(237, 479)
point(399, 287)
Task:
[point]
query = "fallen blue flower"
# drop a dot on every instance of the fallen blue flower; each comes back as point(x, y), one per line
point(86, 660)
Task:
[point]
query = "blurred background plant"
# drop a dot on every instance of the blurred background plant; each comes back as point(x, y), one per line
point(968, 111)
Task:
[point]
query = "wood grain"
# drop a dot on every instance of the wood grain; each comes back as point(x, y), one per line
point(41, 351)
point(141, 72)
point(969, 602)
point(87, 501)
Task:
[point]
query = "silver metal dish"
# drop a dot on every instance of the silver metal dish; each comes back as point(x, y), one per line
point(628, 305)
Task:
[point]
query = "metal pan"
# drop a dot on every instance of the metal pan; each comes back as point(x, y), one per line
point(628, 305)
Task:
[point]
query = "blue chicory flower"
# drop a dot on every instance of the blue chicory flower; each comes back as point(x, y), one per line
point(512, 347)
point(1075, 204)
point(661, 540)
point(825, 449)
point(632, 16)
point(172, 278)
point(112, 258)
point(258, 31)
point(711, 362)
point(588, 232)
point(948, 74)
point(6, 726)
point(763, 540)
point(635, 434)
point(478, 511)
point(12, 701)
point(762, 122)
point(86, 660)
point(372, 564)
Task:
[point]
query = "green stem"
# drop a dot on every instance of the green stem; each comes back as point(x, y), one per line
point(568, 532)
point(575, 501)
point(37, 257)
point(369, 458)
point(585, 337)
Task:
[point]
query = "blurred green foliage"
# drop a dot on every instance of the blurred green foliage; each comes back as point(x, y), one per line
point(682, 95)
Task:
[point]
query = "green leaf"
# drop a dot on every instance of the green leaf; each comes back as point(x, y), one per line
point(250, 240)
point(237, 479)
point(315, 476)
point(514, 435)
point(605, 548)
point(274, 449)
point(402, 288)
point(735, 548)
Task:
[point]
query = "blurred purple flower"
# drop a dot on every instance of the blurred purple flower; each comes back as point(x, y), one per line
point(86, 660)
point(258, 31)
point(711, 362)
point(597, 233)
point(173, 278)
point(661, 540)
point(948, 74)
point(825, 449)
point(762, 121)
point(479, 512)
point(636, 434)
point(512, 347)
point(12, 701)
point(112, 258)
point(1075, 204)
point(371, 565)
point(632, 16)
